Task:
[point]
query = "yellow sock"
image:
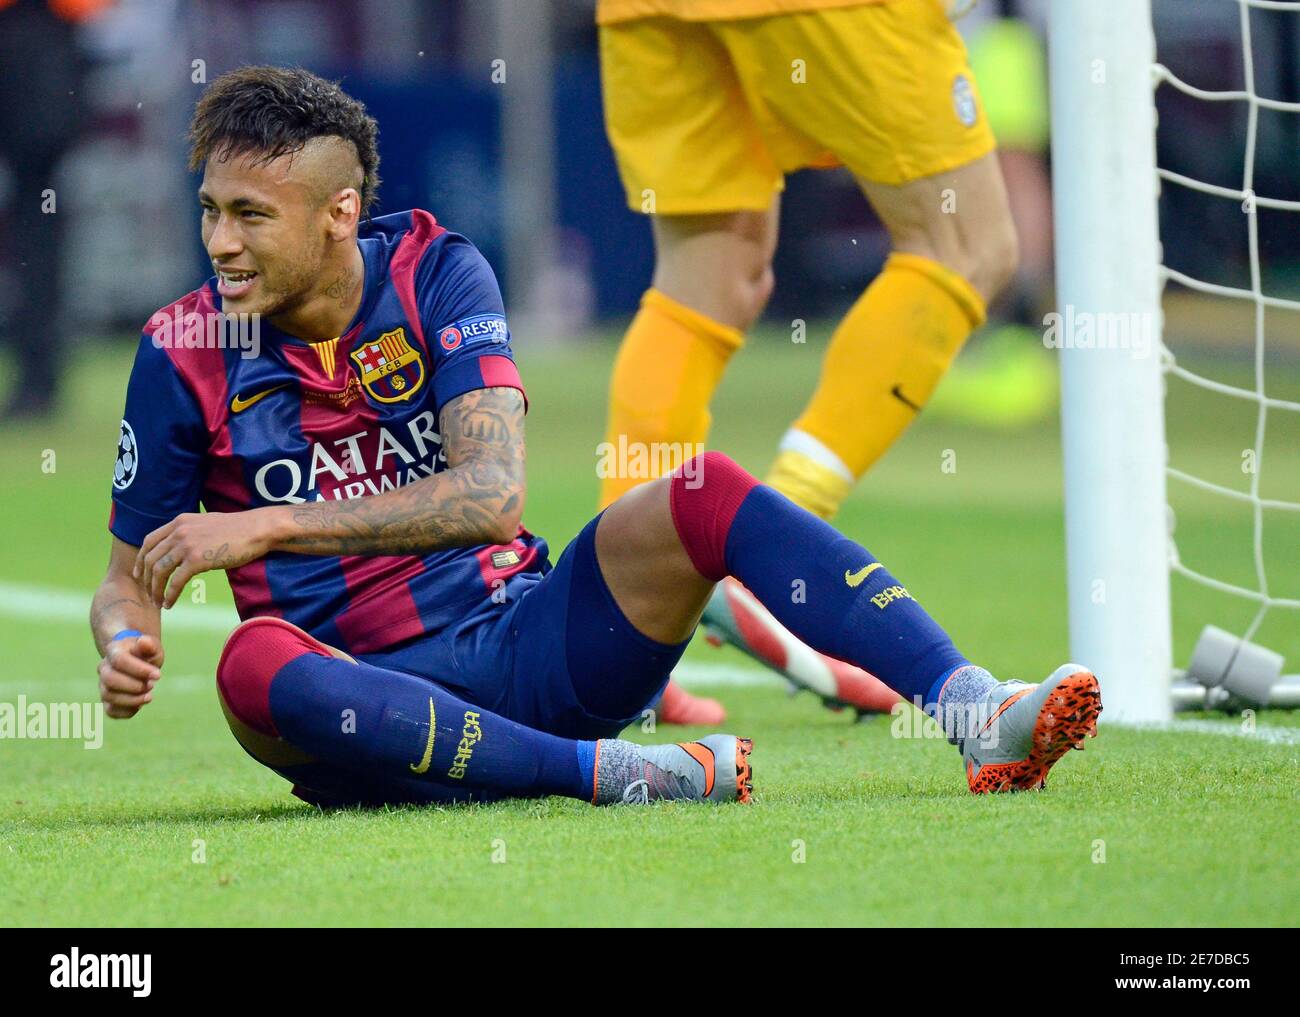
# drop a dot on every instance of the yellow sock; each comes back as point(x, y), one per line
point(671, 360)
point(810, 475)
point(884, 361)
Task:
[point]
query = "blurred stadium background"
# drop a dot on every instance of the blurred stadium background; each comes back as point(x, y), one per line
point(514, 154)
point(522, 167)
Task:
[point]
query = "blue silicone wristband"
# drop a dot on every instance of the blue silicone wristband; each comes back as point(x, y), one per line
point(125, 634)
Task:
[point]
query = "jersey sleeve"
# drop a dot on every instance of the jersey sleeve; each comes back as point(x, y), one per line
point(160, 448)
point(464, 322)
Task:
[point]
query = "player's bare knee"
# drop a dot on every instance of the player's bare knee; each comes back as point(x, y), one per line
point(720, 265)
point(625, 518)
point(994, 260)
point(750, 291)
point(987, 260)
point(760, 290)
point(756, 231)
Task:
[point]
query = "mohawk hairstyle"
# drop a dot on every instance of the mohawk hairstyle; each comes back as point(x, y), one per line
point(273, 111)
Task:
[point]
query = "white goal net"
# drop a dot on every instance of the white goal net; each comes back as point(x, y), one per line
point(1123, 542)
point(1264, 405)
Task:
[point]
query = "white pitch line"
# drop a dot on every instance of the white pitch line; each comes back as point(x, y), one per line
point(1230, 728)
point(67, 687)
point(44, 603)
point(48, 604)
point(693, 675)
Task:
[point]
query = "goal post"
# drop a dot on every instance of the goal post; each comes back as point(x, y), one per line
point(1105, 195)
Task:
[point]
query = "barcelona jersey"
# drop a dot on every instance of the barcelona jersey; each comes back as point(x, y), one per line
point(283, 421)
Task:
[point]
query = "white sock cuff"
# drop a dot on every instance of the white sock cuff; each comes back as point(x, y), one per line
point(806, 445)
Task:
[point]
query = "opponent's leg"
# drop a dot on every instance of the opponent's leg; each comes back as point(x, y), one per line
point(691, 155)
point(712, 278)
point(849, 605)
point(954, 249)
point(884, 361)
point(713, 275)
point(355, 731)
point(960, 219)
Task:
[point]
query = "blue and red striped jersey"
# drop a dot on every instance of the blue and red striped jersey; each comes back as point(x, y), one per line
point(207, 423)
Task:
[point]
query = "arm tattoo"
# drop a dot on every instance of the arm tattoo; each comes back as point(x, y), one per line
point(464, 505)
point(110, 614)
point(97, 611)
point(219, 557)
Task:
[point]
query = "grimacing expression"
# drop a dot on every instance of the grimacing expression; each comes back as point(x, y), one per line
point(264, 227)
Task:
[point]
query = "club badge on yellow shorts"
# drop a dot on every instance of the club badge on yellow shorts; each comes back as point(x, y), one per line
point(391, 370)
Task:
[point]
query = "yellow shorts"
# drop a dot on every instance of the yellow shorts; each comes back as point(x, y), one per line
point(708, 116)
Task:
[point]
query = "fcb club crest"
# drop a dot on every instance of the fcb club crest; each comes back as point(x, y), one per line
point(391, 370)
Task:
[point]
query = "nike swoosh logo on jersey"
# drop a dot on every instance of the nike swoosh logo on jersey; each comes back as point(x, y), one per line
point(238, 405)
point(855, 579)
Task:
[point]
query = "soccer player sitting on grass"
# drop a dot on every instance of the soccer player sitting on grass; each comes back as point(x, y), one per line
point(405, 638)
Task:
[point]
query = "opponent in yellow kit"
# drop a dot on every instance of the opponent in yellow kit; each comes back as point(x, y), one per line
point(708, 104)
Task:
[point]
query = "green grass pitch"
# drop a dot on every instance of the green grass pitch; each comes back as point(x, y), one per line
point(169, 823)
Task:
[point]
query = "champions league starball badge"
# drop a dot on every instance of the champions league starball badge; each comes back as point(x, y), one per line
point(128, 458)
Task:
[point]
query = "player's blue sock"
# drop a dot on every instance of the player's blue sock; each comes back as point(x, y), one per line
point(389, 724)
point(394, 713)
point(587, 762)
point(826, 589)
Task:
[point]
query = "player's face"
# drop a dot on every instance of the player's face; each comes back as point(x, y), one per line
point(265, 232)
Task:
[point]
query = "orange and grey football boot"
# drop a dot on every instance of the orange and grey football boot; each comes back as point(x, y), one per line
point(1023, 730)
point(714, 769)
